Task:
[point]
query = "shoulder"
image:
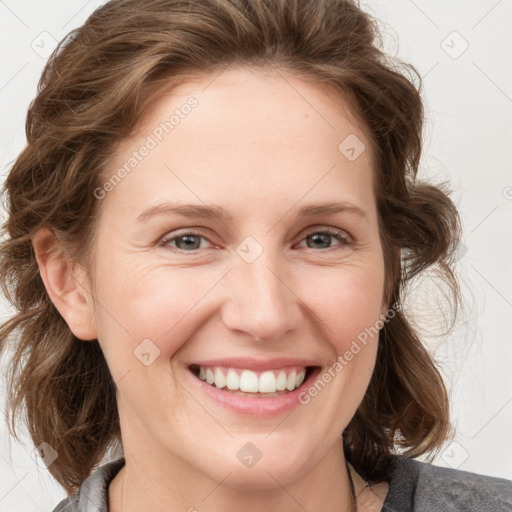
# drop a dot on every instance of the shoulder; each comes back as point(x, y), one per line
point(93, 494)
point(421, 487)
point(440, 487)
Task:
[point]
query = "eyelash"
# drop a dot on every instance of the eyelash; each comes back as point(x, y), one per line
point(345, 241)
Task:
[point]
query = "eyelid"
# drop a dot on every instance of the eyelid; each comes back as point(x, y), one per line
point(182, 232)
point(321, 228)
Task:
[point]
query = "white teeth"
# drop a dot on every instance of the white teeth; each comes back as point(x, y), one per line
point(267, 382)
point(248, 382)
point(220, 380)
point(281, 381)
point(291, 380)
point(270, 381)
point(232, 380)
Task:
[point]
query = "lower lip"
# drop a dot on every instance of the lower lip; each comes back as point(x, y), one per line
point(251, 406)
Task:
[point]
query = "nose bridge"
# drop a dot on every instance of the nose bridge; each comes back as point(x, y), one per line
point(261, 302)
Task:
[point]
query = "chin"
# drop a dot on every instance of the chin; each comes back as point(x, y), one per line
point(269, 472)
point(261, 478)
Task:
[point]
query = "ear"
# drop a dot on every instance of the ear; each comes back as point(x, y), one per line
point(66, 284)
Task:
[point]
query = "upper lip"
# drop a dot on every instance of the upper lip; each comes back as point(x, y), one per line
point(250, 363)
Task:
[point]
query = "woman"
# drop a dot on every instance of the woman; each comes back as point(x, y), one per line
point(183, 161)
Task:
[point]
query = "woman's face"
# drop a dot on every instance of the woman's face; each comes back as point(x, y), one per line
point(259, 292)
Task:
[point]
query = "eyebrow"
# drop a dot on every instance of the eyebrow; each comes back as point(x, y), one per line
point(217, 212)
point(330, 208)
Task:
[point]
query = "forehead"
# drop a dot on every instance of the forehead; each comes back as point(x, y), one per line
point(265, 99)
point(249, 133)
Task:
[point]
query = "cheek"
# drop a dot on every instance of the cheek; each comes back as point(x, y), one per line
point(349, 302)
point(144, 320)
point(356, 313)
point(161, 304)
point(352, 311)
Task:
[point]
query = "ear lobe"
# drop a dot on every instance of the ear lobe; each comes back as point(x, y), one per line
point(65, 284)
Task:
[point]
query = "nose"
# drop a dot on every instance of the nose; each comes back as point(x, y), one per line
point(261, 300)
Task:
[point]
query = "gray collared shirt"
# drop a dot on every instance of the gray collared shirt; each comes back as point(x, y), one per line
point(413, 487)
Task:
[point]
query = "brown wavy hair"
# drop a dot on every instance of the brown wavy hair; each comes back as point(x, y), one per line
point(94, 89)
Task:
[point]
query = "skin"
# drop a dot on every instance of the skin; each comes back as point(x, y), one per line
point(261, 145)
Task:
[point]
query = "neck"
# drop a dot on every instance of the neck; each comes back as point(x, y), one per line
point(170, 484)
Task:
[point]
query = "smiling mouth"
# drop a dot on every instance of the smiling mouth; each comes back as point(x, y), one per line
point(269, 383)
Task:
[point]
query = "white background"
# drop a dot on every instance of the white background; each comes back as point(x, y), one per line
point(468, 139)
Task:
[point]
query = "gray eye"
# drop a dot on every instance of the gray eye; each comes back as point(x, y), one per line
point(190, 241)
point(320, 238)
